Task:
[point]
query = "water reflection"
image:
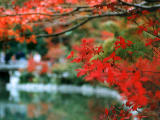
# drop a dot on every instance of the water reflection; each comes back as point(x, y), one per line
point(52, 106)
point(85, 90)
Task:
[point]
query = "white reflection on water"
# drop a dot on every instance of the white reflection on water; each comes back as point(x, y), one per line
point(15, 88)
point(85, 90)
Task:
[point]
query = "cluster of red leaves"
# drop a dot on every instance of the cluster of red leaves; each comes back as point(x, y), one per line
point(49, 30)
point(106, 35)
point(33, 66)
point(151, 40)
point(33, 11)
point(136, 83)
point(122, 114)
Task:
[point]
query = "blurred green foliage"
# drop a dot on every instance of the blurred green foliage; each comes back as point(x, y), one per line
point(8, 3)
point(66, 74)
point(138, 48)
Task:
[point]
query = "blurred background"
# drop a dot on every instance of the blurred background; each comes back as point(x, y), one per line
point(37, 82)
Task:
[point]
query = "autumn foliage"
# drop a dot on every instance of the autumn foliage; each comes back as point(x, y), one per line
point(137, 79)
point(138, 82)
point(33, 66)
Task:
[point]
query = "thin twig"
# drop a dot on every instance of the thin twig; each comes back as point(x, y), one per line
point(68, 30)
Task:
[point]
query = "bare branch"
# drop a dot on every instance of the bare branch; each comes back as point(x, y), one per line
point(70, 29)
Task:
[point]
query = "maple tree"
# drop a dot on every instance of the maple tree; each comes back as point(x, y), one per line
point(18, 19)
point(137, 79)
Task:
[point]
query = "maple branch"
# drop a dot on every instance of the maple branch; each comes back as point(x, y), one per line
point(70, 29)
point(23, 14)
point(46, 14)
point(142, 5)
point(78, 9)
point(108, 14)
point(88, 18)
point(151, 33)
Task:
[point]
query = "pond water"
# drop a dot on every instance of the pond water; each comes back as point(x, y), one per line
point(30, 105)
